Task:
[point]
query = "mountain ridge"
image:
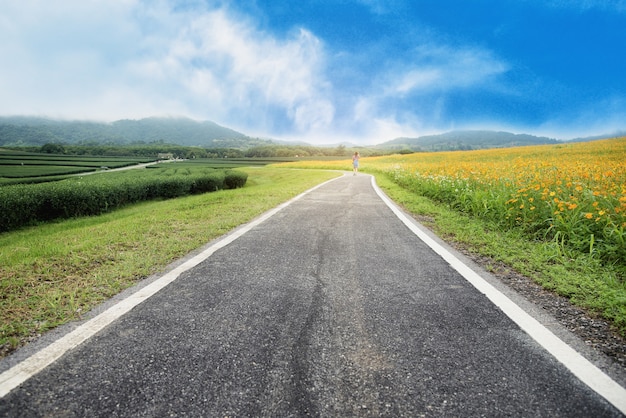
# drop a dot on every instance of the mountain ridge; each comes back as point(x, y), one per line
point(26, 130)
point(466, 140)
point(178, 130)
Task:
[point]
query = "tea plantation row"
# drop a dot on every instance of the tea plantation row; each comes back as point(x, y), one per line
point(24, 204)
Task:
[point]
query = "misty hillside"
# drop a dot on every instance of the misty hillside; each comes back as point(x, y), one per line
point(181, 131)
point(465, 140)
point(34, 131)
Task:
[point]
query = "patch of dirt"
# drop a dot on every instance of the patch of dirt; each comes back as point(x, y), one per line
point(592, 329)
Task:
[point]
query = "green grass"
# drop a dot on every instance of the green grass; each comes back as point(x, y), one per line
point(601, 289)
point(56, 272)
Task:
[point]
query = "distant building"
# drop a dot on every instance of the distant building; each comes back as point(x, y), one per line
point(165, 156)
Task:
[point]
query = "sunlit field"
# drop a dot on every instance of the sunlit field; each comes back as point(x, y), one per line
point(571, 194)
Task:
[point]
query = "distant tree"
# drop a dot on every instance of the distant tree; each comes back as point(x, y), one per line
point(341, 150)
point(53, 148)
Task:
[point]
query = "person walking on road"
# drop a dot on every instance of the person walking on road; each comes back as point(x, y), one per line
point(355, 162)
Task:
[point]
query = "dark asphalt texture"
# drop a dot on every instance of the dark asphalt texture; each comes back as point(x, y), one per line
point(330, 308)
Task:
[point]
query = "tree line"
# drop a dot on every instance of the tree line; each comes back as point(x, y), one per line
point(188, 152)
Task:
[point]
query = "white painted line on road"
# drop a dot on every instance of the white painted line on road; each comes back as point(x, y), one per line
point(582, 368)
point(29, 367)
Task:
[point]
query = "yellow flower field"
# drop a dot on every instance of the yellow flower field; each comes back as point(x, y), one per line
point(572, 193)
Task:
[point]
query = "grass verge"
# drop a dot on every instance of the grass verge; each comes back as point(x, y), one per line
point(53, 273)
point(600, 289)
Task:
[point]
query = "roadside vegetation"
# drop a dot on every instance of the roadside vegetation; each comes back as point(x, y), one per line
point(55, 272)
point(555, 213)
point(28, 204)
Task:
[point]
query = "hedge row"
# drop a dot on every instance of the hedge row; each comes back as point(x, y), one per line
point(28, 204)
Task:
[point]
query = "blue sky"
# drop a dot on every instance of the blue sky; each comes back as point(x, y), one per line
point(322, 71)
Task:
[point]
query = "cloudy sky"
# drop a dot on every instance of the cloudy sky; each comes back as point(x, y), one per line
point(366, 71)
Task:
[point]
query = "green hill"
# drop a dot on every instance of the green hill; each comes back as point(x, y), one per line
point(465, 140)
point(18, 131)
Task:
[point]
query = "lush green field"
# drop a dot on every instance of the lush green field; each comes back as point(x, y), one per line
point(56, 272)
point(225, 162)
point(556, 214)
point(28, 204)
point(29, 167)
point(243, 161)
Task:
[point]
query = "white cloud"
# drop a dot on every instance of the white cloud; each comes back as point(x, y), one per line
point(372, 123)
point(314, 115)
point(443, 68)
point(103, 59)
point(130, 58)
point(60, 58)
point(417, 79)
point(387, 109)
point(605, 116)
point(215, 55)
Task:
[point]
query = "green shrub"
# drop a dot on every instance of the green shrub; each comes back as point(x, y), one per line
point(208, 182)
point(235, 179)
point(24, 204)
point(18, 204)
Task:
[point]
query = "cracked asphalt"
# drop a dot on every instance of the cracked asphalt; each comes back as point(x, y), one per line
point(333, 308)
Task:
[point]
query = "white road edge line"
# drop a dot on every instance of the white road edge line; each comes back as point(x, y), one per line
point(32, 365)
point(582, 368)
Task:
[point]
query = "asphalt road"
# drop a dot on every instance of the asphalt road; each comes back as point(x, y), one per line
point(331, 307)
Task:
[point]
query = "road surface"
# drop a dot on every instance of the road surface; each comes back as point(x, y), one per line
point(333, 307)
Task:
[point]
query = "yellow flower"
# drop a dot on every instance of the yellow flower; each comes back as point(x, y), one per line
point(589, 215)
